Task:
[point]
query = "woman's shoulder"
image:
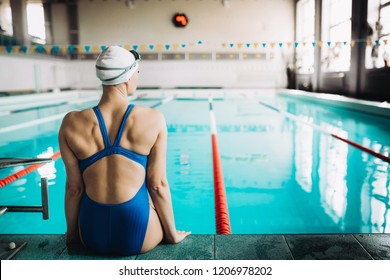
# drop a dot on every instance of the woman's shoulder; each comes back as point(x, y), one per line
point(148, 113)
point(77, 118)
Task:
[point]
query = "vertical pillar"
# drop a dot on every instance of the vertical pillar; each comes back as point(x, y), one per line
point(359, 31)
point(19, 21)
point(317, 50)
point(73, 23)
point(48, 23)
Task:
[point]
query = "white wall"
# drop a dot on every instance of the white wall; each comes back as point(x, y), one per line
point(111, 22)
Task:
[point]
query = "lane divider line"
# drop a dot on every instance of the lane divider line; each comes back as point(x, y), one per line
point(49, 119)
point(11, 178)
point(221, 207)
point(317, 127)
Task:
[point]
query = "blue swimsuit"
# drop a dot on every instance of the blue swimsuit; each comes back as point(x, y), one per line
point(114, 228)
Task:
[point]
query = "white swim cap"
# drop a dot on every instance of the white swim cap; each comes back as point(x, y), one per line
point(116, 65)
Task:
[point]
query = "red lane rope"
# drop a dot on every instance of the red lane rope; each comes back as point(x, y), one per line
point(9, 179)
point(221, 208)
point(352, 143)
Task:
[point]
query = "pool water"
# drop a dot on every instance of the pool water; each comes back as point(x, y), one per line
point(281, 176)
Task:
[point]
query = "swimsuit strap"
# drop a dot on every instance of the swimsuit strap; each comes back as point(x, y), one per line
point(122, 126)
point(102, 126)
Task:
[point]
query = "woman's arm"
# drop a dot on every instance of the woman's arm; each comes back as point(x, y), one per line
point(74, 184)
point(158, 187)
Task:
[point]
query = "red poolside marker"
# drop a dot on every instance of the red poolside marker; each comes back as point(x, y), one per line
point(221, 208)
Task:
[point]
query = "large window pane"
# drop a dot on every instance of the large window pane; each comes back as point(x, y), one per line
point(305, 33)
point(336, 29)
point(36, 22)
point(378, 19)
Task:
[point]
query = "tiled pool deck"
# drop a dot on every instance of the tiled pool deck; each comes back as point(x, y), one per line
point(217, 247)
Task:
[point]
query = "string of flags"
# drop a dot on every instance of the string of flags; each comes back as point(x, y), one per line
point(93, 49)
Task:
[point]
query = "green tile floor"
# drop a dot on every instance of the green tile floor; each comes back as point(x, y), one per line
point(215, 247)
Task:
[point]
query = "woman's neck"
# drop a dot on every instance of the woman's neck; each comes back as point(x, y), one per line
point(114, 96)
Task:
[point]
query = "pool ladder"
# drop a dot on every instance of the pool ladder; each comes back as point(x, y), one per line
point(44, 208)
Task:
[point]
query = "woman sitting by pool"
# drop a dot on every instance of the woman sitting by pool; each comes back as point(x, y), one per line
point(115, 156)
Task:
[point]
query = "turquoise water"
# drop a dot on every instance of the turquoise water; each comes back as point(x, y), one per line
point(280, 176)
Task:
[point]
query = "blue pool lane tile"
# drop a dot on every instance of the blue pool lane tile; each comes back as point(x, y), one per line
point(326, 247)
point(251, 247)
point(377, 245)
point(193, 247)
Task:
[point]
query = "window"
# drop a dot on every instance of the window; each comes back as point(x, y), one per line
point(336, 35)
point(305, 33)
point(36, 22)
point(6, 18)
point(378, 19)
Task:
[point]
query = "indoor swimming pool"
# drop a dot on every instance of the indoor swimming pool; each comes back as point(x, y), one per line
point(281, 175)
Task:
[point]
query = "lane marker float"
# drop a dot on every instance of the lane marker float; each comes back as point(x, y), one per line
point(221, 208)
point(317, 127)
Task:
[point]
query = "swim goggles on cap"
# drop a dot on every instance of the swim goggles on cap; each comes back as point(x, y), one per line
point(137, 57)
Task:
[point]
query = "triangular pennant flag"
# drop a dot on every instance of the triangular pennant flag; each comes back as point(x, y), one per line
point(2, 49)
point(289, 44)
point(127, 47)
point(369, 42)
point(103, 47)
point(183, 46)
point(167, 46)
point(71, 48)
point(16, 49)
point(175, 46)
point(337, 44)
point(248, 45)
point(159, 47)
point(151, 47)
point(272, 44)
point(345, 43)
point(264, 45)
point(8, 49)
point(361, 42)
point(40, 49)
point(353, 42)
point(329, 43)
point(48, 49)
point(314, 43)
point(231, 45)
point(256, 45)
point(223, 45)
point(296, 44)
point(87, 48)
point(135, 47)
point(377, 42)
point(200, 42)
point(32, 49)
point(64, 49)
point(95, 49)
point(23, 49)
point(319, 43)
point(80, 49)
point(304, 44)
point(385, 41)
point(280, 44)
point(239, 45)
point(143, 47)
point(55, 49)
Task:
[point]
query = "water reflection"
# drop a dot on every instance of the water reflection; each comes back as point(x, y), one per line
point(353, 187)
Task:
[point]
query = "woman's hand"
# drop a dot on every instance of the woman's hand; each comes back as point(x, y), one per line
point(179, 236)
point(72, 238)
